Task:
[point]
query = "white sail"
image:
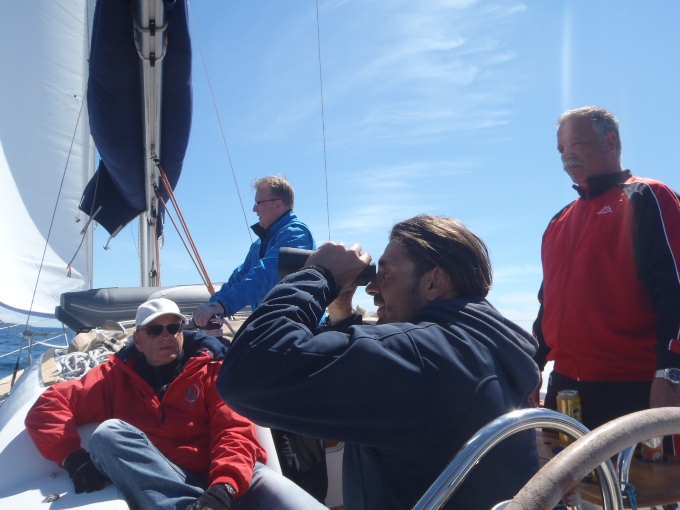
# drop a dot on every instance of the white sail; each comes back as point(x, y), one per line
point(46, 153)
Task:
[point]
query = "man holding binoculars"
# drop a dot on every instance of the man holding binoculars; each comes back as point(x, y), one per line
point(405, 394)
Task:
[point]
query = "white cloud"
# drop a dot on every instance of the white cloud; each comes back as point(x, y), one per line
point(395, 71)
point(427, 71)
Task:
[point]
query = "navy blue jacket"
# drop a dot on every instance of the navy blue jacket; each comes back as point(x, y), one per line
point(404, 397)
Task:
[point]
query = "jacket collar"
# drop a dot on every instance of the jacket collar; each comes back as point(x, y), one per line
point(601, 183)
point(264, 233)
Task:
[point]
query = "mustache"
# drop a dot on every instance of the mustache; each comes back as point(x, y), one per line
point(571, 162)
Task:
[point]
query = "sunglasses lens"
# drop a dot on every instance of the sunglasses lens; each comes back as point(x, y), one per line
point(173, 329)
point(155, 330)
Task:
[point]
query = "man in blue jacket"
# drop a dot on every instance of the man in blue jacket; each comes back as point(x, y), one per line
point(278, 226)
point(405, 394)
point(302, 459)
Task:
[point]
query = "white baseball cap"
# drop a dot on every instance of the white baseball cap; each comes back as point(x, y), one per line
point(155, 308)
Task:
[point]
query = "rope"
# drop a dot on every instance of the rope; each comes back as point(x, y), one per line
point(219, 121)
point(323, 119)
point(202, 271)
point(629, 492)
point(76, 364)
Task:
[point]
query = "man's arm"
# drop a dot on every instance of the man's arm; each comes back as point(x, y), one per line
point(53, 419)
point(361, 385)
point(656, 238)
point(251, 281)
point(234, 448)
point(542, 353)
point(664, 394)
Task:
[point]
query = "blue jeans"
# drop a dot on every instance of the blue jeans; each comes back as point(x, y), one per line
point(149, 480)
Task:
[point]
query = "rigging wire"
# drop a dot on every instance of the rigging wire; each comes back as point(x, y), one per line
point(54, 212)
point(49, 232)
point(219, 120)
point(9, 326)
point(134, 241)
point(323, 119)
point(92, 213)
point(47, 240)
point(202, 270)
point(206, 282)
point(80, 245)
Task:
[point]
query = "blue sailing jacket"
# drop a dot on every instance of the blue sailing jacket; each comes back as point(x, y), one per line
point(251, 281)
point(404, 397)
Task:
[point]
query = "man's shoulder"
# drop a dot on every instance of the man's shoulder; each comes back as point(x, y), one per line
point(559, 215)
point(562, 211)
point(654, 184)
point(293, 228)
point(291, 221)
point(648, 180)
point(197, 344)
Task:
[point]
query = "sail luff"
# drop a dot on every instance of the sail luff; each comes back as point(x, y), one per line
point(42, 89)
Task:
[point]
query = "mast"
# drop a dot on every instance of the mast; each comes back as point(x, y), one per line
point(150, 31)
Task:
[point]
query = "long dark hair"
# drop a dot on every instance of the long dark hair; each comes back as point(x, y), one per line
point(445, 242)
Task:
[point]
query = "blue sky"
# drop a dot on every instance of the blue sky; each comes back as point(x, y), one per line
point(445, 107)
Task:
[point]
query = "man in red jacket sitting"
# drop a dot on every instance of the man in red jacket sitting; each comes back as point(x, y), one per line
point(167, 439)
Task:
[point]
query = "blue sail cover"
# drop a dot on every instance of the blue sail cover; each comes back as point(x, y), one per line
point(115, 104)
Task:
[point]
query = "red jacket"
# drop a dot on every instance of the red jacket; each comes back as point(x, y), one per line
point(191, 425)
point(610, 299)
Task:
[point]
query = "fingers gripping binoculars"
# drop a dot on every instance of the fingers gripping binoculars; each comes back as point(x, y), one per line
point(292, 260)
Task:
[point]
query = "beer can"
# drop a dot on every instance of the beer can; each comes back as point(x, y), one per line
point(569, 403)
point(652, 449)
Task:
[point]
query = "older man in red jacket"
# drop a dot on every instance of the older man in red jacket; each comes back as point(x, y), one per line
point(610, 298)
point(167, 439)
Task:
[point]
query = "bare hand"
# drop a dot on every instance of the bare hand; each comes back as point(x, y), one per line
point(664, 394)
point(341, 308)
point(345, 264)
point(535, 397)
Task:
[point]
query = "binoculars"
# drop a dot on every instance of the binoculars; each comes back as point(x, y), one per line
point(292, 260)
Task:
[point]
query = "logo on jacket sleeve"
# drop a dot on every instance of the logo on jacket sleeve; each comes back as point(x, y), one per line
point(606, 209)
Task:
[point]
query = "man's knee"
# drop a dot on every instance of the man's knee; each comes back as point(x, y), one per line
point(270, 489)
point(107, 435)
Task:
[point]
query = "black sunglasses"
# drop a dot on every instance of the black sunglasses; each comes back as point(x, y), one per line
point(157, 329)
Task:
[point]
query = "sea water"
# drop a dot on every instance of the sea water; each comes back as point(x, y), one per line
point(43, 339)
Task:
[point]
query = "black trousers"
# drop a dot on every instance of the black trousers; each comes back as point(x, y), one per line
point(303, 460)
point(601, 401)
